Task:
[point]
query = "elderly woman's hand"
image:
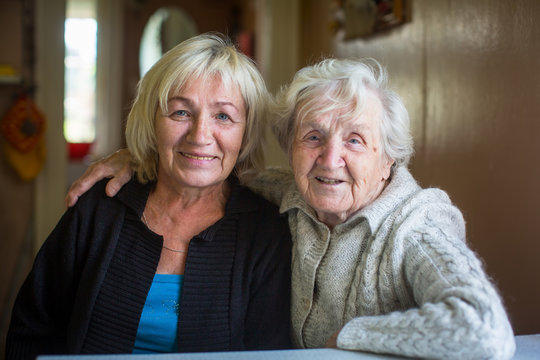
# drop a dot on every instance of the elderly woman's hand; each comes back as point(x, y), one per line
point(332, 341)
point(115, 166)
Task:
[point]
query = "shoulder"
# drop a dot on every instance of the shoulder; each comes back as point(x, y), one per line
point(131, 195)
point(258, 216)
point(96, 207)
point(255, 205)
point(92, 201)
point(417, 216)
point(272, 184)
point(428, 228)
point(410, 202)
point(79, 231)
point(275, 175)
point(433, 207)
point(405, 203)
point(263, 236)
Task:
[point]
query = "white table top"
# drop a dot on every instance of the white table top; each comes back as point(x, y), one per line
point(528, 348)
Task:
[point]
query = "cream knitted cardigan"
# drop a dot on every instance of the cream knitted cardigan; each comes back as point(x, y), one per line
point(397, 277)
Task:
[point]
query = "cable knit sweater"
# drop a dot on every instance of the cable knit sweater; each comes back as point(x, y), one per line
point(397, 277)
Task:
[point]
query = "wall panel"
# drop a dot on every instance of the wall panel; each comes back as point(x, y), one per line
point(468, 72)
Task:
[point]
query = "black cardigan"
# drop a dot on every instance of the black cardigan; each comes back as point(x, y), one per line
point(89, 282)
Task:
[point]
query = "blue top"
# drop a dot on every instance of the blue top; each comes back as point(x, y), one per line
point(158, 326)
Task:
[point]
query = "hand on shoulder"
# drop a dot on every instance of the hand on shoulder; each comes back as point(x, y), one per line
point(115, 166)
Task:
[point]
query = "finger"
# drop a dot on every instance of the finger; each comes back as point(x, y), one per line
point(115, 166)
point(70, 200)
point(92, 175)
point(118, 181)
point(113, 186)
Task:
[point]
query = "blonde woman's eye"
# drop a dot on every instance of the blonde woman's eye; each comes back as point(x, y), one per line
point(180, 113)
point(223, 117)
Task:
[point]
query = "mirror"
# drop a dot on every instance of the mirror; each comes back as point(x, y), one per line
point(167, 27)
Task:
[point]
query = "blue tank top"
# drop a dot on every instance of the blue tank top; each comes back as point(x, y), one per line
point(158, 326)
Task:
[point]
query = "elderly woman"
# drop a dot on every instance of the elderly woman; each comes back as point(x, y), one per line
point(377, 261)
point(184, 258)
point(379, 264)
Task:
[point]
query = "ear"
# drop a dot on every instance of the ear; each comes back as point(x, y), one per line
point(386, 168)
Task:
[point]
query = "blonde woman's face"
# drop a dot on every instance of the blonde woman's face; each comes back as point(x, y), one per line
point(338, 164)
point(200, 137)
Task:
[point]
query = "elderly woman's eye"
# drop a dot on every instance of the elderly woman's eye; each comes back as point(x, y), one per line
point(355, 141)
point(312, 138)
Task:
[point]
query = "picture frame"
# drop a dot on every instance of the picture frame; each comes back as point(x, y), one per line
point(362, 18)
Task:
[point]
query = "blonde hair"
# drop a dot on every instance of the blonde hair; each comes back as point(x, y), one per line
point(203, 56)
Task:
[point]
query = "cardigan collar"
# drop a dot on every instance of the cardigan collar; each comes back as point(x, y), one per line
point(401, 186)
point(134, 196)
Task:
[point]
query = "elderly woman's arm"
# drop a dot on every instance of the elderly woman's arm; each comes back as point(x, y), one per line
point(272, 183)
point(116, 166)
point(436, 299)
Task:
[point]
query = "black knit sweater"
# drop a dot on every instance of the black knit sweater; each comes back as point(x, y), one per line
point(89, 282)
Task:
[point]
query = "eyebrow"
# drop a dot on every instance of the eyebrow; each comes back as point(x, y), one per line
point(361, 128)
point(189, 101)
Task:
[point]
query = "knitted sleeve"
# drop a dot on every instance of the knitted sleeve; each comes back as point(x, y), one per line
point(435, 300)
point(271, 184)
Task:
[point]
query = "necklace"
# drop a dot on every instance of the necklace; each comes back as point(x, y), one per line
point(166, 247)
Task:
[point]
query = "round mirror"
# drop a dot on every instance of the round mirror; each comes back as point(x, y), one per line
point(167, 27)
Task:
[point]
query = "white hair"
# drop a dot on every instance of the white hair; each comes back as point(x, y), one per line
point(342, 86)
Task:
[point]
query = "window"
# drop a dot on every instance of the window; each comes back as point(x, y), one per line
point(80, 36)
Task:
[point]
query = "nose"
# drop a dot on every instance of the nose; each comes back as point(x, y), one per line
point(331, 156)
point(200, 132)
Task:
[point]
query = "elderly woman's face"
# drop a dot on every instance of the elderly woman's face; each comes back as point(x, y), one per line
point(200, 137)
point(338, 164)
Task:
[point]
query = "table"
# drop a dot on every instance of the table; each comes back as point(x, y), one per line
point(528, 348)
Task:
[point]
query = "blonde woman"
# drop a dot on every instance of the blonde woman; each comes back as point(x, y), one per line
point(184, 258)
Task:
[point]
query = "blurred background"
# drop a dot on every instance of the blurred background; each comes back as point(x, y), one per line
point(468, 72)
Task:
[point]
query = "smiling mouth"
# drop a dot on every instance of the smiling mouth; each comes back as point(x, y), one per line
point(195, 157)
point(328, 181)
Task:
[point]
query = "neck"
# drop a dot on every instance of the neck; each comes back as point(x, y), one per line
point(180, 216)
point(331, 220)
point(181, 199)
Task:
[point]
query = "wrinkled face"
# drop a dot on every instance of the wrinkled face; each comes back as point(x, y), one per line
point(200, 137)
point(338, 164)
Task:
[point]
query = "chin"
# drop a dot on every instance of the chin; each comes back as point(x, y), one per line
point(330, 209)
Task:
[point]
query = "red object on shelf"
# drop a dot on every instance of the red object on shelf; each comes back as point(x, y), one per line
point(78, 151)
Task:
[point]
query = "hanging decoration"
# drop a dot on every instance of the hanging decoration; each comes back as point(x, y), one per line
point(23, 126)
